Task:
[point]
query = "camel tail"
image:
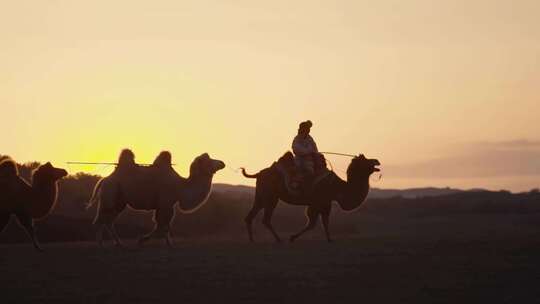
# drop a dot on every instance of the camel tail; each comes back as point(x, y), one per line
point(95, 195)
point(249, 175)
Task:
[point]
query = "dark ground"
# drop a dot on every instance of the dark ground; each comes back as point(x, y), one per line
point(479, 269)
point(466, 247)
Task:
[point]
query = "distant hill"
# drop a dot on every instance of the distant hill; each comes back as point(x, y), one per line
point(374, 192)
point(412, 192)
point(232, 188)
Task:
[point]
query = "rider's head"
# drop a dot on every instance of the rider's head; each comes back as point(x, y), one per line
point(305, 127)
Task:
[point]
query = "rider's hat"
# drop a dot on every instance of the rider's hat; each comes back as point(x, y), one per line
point(306, 124)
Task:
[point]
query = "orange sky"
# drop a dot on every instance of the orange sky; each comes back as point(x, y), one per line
point(444, 93)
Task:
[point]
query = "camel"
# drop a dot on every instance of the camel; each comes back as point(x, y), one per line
point(28, 202)
point(154, 188)
point(271, 186)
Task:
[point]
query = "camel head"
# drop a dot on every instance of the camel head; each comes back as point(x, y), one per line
point(205, 166)
point(8, 167)
point(362, 167)
point(48, 173)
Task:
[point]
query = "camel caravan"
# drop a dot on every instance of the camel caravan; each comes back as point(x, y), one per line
point(301, 179)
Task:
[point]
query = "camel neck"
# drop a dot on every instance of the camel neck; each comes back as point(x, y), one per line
point(195, 193)
point(44, 197)
point(352, 194)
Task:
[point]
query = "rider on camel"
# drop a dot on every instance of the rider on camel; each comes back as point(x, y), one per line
point(305, 151)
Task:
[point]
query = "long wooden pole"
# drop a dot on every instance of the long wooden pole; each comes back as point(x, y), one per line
point(101, 163)
point(341, 154)
point(89, 163)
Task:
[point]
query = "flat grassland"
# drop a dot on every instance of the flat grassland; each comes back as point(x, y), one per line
point(488, 269)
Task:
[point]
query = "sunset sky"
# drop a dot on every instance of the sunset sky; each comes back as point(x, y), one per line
point(443, 93)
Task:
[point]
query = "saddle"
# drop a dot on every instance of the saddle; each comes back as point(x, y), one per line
point(297, 182)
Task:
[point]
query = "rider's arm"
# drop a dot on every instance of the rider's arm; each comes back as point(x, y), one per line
point(315, 149)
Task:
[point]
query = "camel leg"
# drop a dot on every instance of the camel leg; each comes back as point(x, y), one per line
point(25, 220)
point(249, 218)
point(4, 220)
point(312, 216)
point(111, 203)
point(105, 220)
point(143, 239)
point(325, 216)
point(99, 234)
point(112, 230)
point(267, 220)
point(106, 226)
point(155, 233)
point(162, 218)
point(168, 240)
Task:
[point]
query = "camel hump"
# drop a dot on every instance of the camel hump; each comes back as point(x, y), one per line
point(164, 159)
point(297, 182)
point(287, 159)
point(126, 158)
point(8, 168)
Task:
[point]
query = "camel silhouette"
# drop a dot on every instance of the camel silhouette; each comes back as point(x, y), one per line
point(27, 201)
point(158, 188)
point(271, 186)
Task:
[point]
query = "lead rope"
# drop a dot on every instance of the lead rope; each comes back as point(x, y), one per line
point(329, 163)
point(348, 155)
point(237, 170)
